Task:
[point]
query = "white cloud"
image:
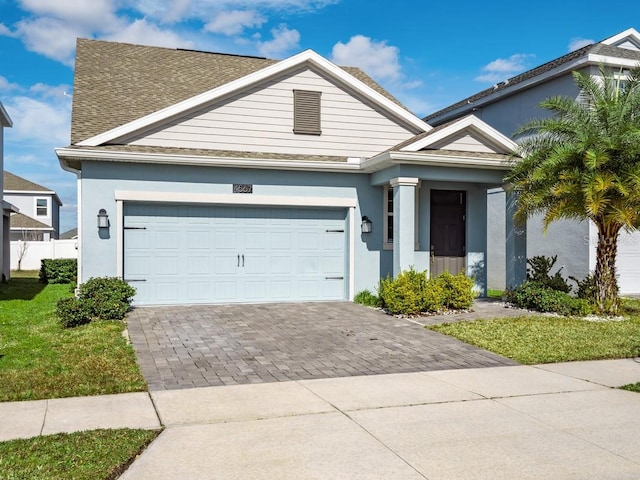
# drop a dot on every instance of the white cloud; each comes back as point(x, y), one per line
point(53, 38)
point(376, 58)
point(578, 43)
point(145, 33)
point(87, 14)
point(503, 68)
point(6, 85)
point(234, 22)
point(284, 40)
point(39, 122)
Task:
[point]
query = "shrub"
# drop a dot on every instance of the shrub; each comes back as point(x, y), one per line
point(107, 298)
point(365, 297)
point(72, 312)
point(405, 293)
point(457, 290)
point(538, 271)
point(537, 296)
point(58, 270)
point(586, 287)
point(433, 297)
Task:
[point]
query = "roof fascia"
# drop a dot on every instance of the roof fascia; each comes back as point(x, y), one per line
point(67, 154)
point(388, 159)
point(5, 120)
point(615, 61)
point(458, 126)
point(253, 78)
point(629, 32)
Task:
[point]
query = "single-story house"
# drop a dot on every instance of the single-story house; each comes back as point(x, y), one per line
point(511, 103)
point(39, 217)
point(207, 177)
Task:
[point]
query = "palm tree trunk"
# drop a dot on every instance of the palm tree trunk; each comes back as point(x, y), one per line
point(606, 281)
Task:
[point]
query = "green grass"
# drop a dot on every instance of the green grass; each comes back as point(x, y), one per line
point(633, 387)
point(89, 455)
point(495, 293)
point(40, 359)
point(543, 339)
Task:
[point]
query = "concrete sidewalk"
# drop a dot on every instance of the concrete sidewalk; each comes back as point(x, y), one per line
point(560, 421)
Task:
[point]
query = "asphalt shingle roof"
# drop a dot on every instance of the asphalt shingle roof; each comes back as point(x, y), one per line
point(15, 183)
point(116, 83)
point(595, 48)
point(24, 222)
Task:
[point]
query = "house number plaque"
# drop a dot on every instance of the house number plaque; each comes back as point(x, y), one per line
point(242, 188)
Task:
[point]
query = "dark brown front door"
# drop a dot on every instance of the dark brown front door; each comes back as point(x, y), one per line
point(448, 232)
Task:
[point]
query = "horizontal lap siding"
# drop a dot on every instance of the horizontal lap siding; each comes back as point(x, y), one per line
point(261, 120)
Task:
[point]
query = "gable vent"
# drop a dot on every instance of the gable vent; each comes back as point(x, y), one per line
point(306, 112)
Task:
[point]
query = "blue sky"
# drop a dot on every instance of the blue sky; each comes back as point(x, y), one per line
point(428, 54)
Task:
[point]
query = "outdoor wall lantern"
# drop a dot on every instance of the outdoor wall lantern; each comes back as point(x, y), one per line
point(103, 219)
point(367, 225)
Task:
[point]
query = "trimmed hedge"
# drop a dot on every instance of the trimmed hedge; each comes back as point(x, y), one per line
point(59, 270)
point(539, 297)
point(101, 298)
point(412, 292)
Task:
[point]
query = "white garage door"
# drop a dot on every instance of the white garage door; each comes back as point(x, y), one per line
point(178, 254)
point(628, 264)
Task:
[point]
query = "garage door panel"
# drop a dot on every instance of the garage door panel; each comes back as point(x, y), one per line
point(195, 253)
point(628, 262)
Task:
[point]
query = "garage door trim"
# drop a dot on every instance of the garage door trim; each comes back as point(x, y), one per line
point(236, 200)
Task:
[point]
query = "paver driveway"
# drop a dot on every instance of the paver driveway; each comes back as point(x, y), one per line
point(210, 345)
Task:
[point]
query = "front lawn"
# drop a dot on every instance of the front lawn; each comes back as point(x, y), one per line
point(544, 339)
point(90, 455)
point(40, 359)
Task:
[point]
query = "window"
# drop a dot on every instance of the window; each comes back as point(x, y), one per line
point(306, 112)
point(42, 207)
point(387, 241)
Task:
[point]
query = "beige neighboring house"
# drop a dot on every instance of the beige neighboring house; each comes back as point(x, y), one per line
point(39, 217)
point(7, 208)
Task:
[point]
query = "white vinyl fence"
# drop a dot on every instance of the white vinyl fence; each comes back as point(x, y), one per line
point(30, 253)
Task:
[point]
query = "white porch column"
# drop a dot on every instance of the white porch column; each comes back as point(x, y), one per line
point(404, 204)
point(516, 246)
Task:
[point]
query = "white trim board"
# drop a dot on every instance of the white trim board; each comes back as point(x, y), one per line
point(234, 199)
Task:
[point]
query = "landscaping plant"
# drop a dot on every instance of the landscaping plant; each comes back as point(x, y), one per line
point(412, 292)
point(100, 298)
point(583, 163)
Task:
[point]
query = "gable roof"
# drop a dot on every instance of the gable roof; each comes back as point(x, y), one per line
point(595, 52)
point(14, 184)
point(427, 148)
point(117, 84)
point(20, 221)
point(69, 234)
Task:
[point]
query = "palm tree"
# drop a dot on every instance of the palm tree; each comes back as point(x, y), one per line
point(583, 163)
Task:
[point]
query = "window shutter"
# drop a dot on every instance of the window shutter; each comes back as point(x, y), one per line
point(306, 112)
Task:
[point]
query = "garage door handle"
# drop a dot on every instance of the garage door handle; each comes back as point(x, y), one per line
point(334, 278)
point(238, 260)
point(243, 259)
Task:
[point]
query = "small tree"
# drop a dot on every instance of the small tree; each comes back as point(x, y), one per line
point(584, 163)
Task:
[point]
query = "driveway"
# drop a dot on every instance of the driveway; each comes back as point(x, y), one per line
point(212, 345)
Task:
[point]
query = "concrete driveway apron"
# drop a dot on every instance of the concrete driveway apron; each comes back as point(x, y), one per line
point(213, 345)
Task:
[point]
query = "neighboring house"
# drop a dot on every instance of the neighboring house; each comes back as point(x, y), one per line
point(207, 178)
point(511, 103)
point(69, 234)
point(7, 208)
point(39, 217)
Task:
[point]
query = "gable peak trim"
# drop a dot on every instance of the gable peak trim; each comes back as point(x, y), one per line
point(469, 122)
point(306, 56)
point(629, 33)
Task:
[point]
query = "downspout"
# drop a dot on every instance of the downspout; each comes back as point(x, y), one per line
point(65, 166)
